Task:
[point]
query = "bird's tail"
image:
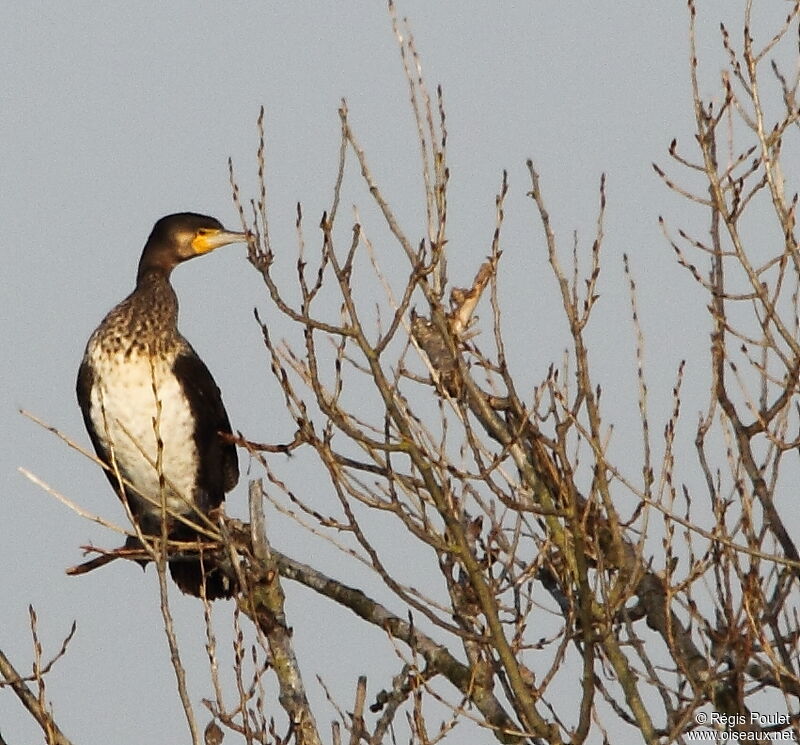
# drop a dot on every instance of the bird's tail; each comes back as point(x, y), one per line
point(190, 573)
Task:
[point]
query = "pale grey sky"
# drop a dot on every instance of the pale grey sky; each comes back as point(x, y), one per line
point(115, 114)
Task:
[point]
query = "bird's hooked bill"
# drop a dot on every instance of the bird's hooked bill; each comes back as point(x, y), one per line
point(208, 241)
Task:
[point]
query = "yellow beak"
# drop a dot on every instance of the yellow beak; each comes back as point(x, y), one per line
point(209, 241)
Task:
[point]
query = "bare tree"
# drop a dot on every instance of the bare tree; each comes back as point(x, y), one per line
point(665, 606)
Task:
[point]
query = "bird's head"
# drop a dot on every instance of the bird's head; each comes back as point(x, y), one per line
point(176, 238)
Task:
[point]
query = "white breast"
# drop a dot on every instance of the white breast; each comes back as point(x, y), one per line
point(141, 415)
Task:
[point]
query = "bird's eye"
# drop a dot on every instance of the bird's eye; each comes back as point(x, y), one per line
point(203, 231)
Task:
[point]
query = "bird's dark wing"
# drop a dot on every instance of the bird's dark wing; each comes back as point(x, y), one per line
point(219, 464)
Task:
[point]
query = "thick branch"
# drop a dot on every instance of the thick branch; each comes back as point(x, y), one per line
point(263, 603)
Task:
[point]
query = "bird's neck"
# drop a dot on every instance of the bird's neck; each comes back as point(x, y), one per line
point(158, 257)
point(155, 296)
point(148, 317)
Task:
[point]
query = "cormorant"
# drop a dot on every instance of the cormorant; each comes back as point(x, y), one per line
point(153, 411)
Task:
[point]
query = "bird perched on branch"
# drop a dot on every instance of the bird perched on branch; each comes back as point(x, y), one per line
point(154, 413)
